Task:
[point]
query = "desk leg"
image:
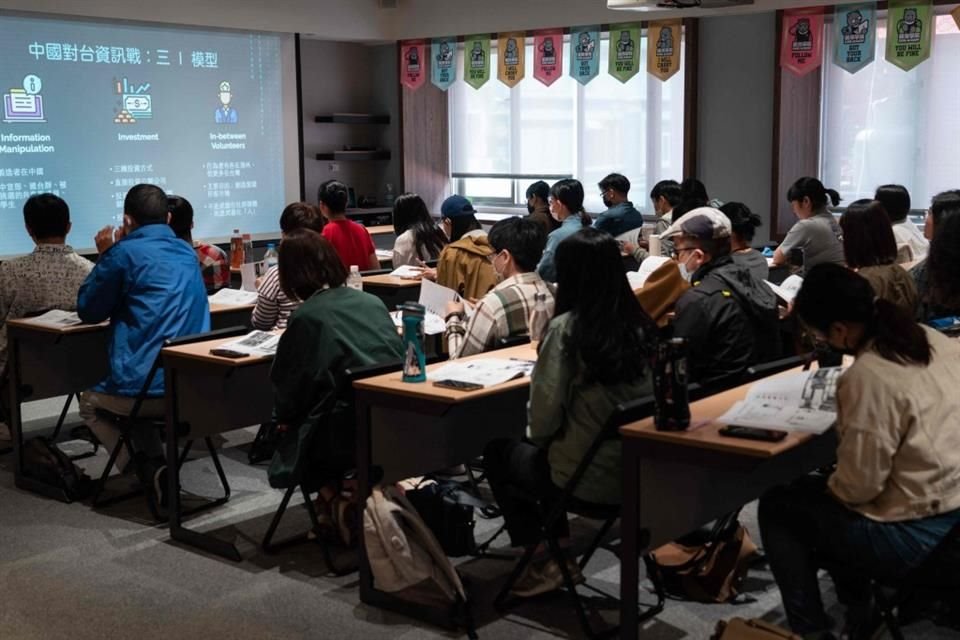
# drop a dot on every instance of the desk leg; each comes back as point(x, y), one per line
point(178, 532)
point(16, 418)
point(364, 460)
point(629, 553)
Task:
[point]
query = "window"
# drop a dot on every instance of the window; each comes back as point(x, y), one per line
point(883, 125)
point(512, 137)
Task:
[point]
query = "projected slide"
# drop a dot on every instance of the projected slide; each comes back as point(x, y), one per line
point(91, 109)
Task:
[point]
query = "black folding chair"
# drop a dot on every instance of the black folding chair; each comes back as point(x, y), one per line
point(127, 423)
point(306, 486)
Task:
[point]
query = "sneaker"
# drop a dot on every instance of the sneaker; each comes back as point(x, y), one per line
point(543, 577)
point(160, 486)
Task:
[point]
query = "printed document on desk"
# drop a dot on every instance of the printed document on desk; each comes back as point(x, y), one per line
point(408, 272)
point(804, 402)
point(485, 372)
point(255, 343)
point(233, 297)
point(56, 318)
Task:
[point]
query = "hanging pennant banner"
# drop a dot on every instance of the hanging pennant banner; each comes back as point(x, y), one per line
point(510, 54)
point(584, 53)
point(548, 55)
point(624, 59)
point(909, 29)
point(413, 61)
point(956, 16)
point(663, 48)
point(443, 56)
point(476, 60)
point(801, 42)
point(854, 26)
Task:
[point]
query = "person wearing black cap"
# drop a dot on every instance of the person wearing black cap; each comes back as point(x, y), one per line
point(538, 206)
point(465, 265)
point(728, 317)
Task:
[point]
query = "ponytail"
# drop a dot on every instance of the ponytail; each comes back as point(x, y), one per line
point(585, 218)
point(834, 196)
point(896, 336)
point(813, 189)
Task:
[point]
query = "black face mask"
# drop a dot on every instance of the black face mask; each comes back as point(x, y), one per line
point(529, 208)
point(607, 202)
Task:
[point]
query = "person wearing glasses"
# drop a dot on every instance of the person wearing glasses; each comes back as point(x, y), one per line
point(621, 216)
point(566, 206)
point(728, 317)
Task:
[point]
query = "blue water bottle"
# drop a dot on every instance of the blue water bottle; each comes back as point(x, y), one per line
point(414, 359)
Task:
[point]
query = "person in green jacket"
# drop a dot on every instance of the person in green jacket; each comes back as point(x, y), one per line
point(594, 356)
point(334, 329)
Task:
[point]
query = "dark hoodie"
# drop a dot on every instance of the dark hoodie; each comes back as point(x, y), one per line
point(729, 319)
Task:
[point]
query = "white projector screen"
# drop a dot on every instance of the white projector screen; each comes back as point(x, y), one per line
point(91, 108)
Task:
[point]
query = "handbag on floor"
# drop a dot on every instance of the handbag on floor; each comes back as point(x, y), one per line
point(754, 629)
point(43, 461)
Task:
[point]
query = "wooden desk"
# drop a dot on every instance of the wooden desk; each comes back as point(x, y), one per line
point(675, 482)
point(392, 290)
point(395, 419)
point(206, 395)
point(380, 230)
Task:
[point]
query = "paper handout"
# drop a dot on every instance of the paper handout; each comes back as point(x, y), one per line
point(485, 372)
point(56, 318)
point(788, 289)
point(650, 264)
point(233, 297)
point(255, 343)
point(804, 402)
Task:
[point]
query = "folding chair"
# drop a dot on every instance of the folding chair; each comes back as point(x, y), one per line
point(126, 423)
point(304, 484)
point(568, 503)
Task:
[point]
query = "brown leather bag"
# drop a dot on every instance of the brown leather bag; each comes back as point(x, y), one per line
point(712, 571)
point(740, 629)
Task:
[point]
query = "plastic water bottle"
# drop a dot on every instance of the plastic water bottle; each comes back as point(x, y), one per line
point(414, 359)
point(670, 386)
point(354, 279)
point(539, 318)
point(271, 257)
point(236, 249)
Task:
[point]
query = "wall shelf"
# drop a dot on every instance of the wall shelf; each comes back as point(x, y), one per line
point(355, 156)
point(353, 118)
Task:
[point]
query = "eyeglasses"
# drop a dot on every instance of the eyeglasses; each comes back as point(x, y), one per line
point(679, 250)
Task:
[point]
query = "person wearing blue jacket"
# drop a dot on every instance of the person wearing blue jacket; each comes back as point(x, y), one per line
point(566, 207)
point(147, 282)
point(621, 216)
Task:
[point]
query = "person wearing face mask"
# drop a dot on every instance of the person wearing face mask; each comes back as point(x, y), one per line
point(538, 206)
point(566, 206)
point(728, 317)
point(816, 232)
point(621, 216)
point(893, 496)
point(503, 313)
point(464, 264)
point(664, 196)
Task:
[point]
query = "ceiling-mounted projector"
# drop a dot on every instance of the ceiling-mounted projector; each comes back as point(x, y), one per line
point(655, 5)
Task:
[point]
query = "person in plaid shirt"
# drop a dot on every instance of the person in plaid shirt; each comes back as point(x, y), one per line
point(502, 313)
point(214, 265)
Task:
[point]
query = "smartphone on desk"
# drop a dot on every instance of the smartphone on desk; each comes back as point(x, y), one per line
point(227, 353)
point(752, 433)
point(459, 385)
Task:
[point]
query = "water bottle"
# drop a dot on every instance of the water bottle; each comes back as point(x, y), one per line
point(539, 318)
point(354, 279)
point(271, 257)
point(414, 359)
point(670, 386)
point(236, 250)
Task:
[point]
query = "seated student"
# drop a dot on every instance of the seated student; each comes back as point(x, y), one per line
point(214, 265)
point(505, 311)
point(273, 307)
point(538, 207)
point(728, 317)
point(743, 226)
point(566, 206)
point(942, 267)
point(418, 237)
point(146, 282)
point(893, 495)
point(47, 278)
point(665, 195)
point(465, 264)
point(621, 216)
point(896, 202)
point(693, 195)
point(593, 357)
point(871, 251)
point(816, 232)
point(943, 205)
point(335, 328)
point(351, 240)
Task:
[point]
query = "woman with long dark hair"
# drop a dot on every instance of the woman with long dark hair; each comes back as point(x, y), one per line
point(418, 237)
point(816, 233)
point(945, 300)
point(893, 495)
point(871, 250)
point(566, 207)
point(594, 356)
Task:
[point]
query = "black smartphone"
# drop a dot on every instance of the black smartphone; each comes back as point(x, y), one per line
point(751, 433)
point(227, 353)
point(459, 385)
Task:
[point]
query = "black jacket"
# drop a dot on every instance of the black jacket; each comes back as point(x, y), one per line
point(729, 319)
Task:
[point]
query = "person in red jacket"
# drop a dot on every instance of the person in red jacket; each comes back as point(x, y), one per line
point(351, 240)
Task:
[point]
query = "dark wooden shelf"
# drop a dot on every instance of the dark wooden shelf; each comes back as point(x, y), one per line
point(355, 156)
point(353, 118)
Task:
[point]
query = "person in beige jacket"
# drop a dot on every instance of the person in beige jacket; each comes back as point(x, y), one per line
point(895, 492)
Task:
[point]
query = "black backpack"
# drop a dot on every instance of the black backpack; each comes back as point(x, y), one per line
point(43, 461)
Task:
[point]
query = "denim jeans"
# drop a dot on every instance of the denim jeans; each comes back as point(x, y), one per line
point(804, 528)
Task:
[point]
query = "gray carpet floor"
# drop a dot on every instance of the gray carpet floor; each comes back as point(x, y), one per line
point(67, 571)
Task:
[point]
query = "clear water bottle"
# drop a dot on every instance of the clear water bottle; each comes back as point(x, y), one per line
point(354, 279)
point(415, 359)
point(271, 257)
point(539, 318)
point(236, 249)
point(670, 386)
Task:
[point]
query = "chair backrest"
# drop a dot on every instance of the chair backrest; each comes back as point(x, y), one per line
point(375, 272)
point(512, 341)
point(904, 253)
point(766, 369)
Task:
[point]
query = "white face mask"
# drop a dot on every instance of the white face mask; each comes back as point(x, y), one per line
point(686, 272)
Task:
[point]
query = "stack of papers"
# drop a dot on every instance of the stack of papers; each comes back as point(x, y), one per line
point(384, 254)
point(805, 402)
point(233, 297)
point(650, 264)
point(408, 271)
point(255, 343)
point(56, 318)
point(485, 372)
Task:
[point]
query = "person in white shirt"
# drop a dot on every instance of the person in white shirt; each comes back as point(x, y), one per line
point(419, 239)
point(896, 200)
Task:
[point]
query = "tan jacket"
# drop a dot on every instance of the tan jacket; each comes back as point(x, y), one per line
point(899, 430)
point(894, 283)
point(465, 266)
